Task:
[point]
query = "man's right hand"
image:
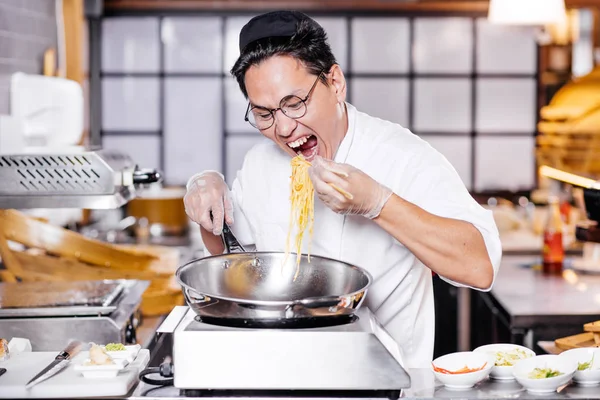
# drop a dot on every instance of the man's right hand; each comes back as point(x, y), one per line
point(208, 193)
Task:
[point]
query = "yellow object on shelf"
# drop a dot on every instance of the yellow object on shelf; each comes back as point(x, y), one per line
point(569, 130)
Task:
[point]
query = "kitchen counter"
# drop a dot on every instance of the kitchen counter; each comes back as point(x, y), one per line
point(424, 386)
point(532, 298)
point(534, 306)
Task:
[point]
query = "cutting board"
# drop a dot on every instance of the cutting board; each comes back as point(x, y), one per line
point(67, 383)
point(581, 340)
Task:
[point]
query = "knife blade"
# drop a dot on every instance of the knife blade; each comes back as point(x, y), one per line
point(60, 362)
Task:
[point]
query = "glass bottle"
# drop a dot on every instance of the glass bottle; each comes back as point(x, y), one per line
point(553, 251)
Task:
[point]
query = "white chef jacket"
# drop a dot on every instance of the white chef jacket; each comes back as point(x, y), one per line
point(401, 295)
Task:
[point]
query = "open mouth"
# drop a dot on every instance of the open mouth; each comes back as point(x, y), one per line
point(305, 146)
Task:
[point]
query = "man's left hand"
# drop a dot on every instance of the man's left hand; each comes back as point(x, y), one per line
point(347, 190)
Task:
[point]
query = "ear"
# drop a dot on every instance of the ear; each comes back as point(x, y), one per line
point(337, 80)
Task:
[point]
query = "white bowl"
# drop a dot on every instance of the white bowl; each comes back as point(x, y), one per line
point(523, 368)
point(456, 361)
point(101, 371)
point(588, 377)
point(502, 372)
point(129, 354)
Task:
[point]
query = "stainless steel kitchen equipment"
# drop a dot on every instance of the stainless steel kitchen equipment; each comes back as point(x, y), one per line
point(88, 179)
point(95, 311)
point(99, 311)
point(257, 327)
point(248, 289)
point(269, 289)
point(358, 356)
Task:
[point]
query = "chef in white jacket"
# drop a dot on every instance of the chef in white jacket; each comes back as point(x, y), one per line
point(410, 214)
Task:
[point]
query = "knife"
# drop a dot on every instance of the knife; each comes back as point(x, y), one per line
point(60, 362)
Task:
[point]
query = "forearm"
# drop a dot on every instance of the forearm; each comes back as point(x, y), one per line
point(451, 248)
point(214, 244)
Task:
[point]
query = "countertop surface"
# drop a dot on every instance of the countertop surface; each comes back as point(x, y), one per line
point(524, 291)
point(423, 386)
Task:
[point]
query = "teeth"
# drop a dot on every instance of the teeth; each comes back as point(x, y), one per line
point(298, 142)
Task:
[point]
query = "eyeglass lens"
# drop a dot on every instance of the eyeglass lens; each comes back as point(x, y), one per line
point(291, 106)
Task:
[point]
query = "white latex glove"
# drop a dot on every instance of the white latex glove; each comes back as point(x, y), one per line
point(207, 192)
point(364, 195)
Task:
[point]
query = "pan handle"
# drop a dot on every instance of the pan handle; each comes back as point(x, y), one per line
point(146, 176)
point(232, 245)
point(318, 302)
point(197, 299)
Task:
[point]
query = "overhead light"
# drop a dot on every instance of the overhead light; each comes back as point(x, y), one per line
point(567, 177)
point(526, 12)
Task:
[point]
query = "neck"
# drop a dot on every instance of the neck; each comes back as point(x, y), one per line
point(342, 129)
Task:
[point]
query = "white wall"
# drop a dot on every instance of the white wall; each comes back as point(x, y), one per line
point(469, 89)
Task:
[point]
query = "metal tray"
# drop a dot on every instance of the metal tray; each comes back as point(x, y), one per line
point(28, 299)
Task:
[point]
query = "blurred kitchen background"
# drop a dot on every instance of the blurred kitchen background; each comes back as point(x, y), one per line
point(498, 93)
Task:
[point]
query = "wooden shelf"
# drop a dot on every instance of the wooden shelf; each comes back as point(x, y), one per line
point(435, 6)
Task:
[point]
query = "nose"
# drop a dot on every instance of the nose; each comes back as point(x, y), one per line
point(284, 125)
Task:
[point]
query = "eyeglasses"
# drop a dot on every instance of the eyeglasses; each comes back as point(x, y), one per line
point(292, 106)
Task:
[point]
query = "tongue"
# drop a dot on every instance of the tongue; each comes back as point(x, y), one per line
point(310, 143)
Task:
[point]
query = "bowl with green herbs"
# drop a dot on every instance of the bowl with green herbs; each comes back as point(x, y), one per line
point(119, 351)
point(588, 365)
point(544, 374)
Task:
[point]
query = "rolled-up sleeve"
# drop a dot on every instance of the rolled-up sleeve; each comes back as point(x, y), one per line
point(437, 188)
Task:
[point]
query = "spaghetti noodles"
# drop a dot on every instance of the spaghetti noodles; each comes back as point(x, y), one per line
point(302, 213)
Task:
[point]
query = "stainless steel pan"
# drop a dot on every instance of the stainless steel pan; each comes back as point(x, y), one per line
point(254, 288)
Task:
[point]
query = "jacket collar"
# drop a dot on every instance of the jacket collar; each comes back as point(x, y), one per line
point(344, 150)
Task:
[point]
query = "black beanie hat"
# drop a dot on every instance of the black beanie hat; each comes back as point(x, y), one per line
point(272, 24)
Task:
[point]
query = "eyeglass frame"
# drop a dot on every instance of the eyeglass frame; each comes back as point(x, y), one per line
point(274, 110)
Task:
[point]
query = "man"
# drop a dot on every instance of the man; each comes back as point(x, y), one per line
point(409, 213)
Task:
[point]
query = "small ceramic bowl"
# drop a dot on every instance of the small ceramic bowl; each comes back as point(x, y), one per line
point(523, 369)
point(100, 371)
point(457, 361)
point(501, 352)
point(129, 354)
point(589, 376)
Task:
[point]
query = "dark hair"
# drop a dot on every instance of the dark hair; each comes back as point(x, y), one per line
point(308, 45)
